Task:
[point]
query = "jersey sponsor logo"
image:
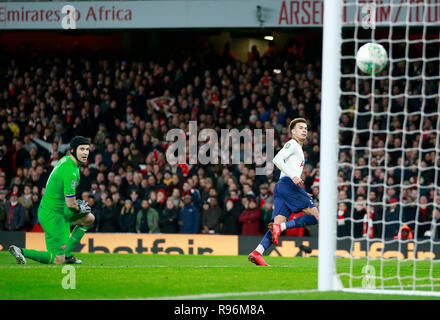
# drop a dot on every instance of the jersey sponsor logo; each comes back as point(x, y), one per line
point(63, 247)
point(302, 164)
point(74, 184)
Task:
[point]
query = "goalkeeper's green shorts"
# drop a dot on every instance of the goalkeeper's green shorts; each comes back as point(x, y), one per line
point(56, 230)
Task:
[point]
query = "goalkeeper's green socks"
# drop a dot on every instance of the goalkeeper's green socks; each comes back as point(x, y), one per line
point(77, 234)
point(40, 256)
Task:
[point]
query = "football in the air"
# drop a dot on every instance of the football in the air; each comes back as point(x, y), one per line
point(371, 58)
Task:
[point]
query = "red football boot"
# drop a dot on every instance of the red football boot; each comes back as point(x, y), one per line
point(257, 258)
point(276, 232)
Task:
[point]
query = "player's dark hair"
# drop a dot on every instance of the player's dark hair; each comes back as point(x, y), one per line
point(295, 121)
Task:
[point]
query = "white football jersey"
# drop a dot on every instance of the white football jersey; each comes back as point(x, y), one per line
point(290, 159)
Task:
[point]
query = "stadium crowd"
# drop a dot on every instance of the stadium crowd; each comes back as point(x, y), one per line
point(389, 160)
point(127, 108)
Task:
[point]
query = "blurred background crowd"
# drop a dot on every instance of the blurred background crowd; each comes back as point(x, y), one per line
point(127, 107)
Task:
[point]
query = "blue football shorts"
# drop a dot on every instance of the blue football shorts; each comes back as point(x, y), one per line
point(288, 198)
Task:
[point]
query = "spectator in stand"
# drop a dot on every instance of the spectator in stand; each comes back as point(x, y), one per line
point(19, 156)
point(189, 217)
point(2, 209)
point(161, 198)
point(434, 232)
point(250, 219)
point(118, 203)
point(96, 211)
point(15, 214)
point(175, 197)
point(211, 216)
point(3, 186)
point(168, 218)
point(227, 56)
point(424, 217)
point(189, 189)
point(229, 217)
point(34, 224)
point(404, 233)
point(360, 212)
point(343, 223)
point(134, 197)
point(108, 221)
point(264, 195)
point(53, 148)
point(147, 220)
point(392, 215)
point(127, 218)
point(266, 214)
point(254, 54)
point(26, 201)
point(409, 212)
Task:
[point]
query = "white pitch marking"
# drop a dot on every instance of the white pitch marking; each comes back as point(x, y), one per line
point(230, 294)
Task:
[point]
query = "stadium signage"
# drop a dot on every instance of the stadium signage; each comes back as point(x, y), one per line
point(392, 249)
point(301, 13)
point(92, 13)
point(210, 13)
point(199, 244)
point(147, 243)
point(310, 12)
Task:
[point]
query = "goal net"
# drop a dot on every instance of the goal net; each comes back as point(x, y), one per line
point(388, 177)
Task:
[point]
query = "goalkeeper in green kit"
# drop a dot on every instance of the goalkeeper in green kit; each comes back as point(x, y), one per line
point(59, 209)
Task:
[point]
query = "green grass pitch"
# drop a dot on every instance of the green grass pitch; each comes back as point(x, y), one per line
point(134, 276)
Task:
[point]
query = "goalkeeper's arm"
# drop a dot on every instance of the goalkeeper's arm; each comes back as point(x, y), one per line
point(77, 206)
point(72, 204)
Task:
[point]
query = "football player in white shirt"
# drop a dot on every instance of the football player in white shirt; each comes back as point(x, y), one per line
point(289, 194)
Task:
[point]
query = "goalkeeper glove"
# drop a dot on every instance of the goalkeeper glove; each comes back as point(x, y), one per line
point(84, 207)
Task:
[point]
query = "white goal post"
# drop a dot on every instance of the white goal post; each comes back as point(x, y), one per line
point(379, 185)
point(329, 144)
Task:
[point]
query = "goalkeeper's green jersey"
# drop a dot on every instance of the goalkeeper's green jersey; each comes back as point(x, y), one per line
point(62, 183)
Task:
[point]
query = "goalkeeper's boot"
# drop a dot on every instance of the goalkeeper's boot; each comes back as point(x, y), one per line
point(275, 229)
point(18, 254)
point(257, 258)
point(72, 260)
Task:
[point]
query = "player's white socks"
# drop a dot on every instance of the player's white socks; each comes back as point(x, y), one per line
point(283, 226)
point(260, 249)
